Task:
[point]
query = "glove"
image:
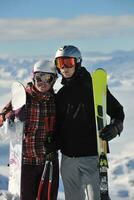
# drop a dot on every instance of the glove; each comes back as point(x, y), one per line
point(21, 114)
point(112, 130)
point(1, 120)
point(51, 156)
point(4, 116)
point(50, 147)
point(49, 144)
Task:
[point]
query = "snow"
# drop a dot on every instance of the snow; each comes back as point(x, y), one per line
point(121, 175)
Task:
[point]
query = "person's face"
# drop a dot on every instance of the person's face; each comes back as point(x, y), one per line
point(43, 81)
point(66, 66)
point(67, 72)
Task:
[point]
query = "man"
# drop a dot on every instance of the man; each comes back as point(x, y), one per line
point(76, 129)
point(38, 142)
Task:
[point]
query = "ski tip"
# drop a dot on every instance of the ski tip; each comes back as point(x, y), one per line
point(100, 69)
point(18, 95)
point(98, 72)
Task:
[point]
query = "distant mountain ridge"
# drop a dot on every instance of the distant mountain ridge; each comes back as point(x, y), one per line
point(118, 63)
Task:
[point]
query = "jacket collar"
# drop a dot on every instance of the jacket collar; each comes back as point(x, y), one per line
point(80, 74)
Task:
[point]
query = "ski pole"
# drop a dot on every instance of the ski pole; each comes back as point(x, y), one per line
point(50, 181)
point(42, 180)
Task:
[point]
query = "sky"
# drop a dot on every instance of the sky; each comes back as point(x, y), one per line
point(32, 28)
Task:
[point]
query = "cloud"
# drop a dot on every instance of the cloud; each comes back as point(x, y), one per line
point(4, 74)
point(94, 59)
point(4, 83)
point(83, 26)
point(21, 73)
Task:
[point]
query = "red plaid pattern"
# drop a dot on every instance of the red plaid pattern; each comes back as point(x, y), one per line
point(40, 115)
point(40, 121)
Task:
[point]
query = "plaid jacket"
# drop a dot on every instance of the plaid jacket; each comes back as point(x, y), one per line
point(40, 113)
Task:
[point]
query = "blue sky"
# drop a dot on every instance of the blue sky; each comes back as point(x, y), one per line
point(37, 27)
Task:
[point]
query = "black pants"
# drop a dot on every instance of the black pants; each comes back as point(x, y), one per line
point(31, 175)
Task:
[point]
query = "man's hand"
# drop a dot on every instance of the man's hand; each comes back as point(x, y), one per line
point(112, 130)
point(109, 132)
point(51, 156)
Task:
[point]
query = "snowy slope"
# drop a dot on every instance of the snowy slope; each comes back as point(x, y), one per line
point(121, 175)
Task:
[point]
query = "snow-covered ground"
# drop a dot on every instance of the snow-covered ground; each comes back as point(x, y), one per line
point(121, 175)
point(119, 66)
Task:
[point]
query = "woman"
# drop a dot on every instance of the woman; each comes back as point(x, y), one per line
point(38, 142)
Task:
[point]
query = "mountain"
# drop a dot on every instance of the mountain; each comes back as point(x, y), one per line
point(118, 64)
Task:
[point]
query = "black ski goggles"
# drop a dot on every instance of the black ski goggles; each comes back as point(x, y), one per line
point(44, 77)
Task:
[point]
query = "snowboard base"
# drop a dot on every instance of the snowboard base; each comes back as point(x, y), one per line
point(15, 129)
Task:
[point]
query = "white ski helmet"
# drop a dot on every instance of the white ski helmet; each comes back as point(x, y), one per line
point(69, 51)
point(44, 66)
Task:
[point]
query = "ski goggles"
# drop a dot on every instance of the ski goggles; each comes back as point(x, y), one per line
point(44, 77)
point(65, 62)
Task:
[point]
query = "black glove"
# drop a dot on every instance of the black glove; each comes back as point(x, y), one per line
point(112, 130)
point(51, 156)
point(50, 145)
point(21, 114)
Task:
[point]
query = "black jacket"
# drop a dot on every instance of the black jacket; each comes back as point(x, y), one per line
point(76, 130)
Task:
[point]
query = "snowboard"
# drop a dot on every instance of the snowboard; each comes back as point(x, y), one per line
point(15, 129)
point(99, 81)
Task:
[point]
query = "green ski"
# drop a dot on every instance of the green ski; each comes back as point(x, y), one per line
point(99, 81)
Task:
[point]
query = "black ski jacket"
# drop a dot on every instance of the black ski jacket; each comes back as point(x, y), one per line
point(76, 130)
